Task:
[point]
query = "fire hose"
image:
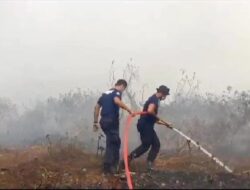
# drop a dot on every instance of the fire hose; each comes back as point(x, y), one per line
point(125, 151)
point(125, 148)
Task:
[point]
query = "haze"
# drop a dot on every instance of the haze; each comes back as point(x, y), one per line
point(50, 47)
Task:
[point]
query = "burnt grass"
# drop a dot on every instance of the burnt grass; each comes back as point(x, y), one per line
point(71, 168)
point(190, 180)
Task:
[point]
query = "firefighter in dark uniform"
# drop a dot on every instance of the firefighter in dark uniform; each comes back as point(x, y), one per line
point(145, 126)
point(110, 103)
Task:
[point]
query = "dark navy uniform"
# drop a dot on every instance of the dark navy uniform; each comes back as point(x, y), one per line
point(110, 125)
point(148, 135)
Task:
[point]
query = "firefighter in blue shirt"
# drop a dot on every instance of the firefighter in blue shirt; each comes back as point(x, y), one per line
point(109, 104)
point(145, 126)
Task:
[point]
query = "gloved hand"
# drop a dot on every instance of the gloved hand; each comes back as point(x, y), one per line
point(169, 125)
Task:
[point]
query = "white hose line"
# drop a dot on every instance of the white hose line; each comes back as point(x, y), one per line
point(204, 150)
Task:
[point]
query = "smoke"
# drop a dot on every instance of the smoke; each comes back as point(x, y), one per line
point(69, 115)
point(219, 122)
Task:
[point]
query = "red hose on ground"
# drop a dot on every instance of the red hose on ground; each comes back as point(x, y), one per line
point(125, 151)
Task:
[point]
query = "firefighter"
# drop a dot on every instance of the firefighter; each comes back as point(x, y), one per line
point(145, 126)
point(109, 104)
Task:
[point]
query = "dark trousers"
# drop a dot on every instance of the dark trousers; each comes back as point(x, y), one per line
point(149, 140)
point(110, 128)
